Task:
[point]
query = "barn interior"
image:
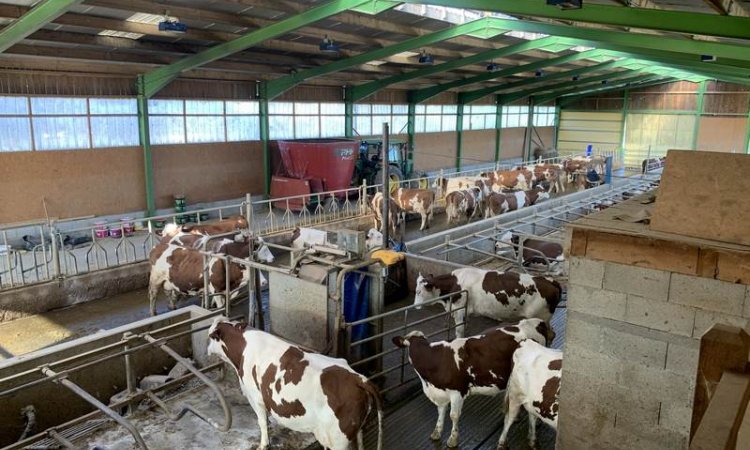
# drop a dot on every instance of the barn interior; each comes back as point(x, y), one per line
point(605, 146)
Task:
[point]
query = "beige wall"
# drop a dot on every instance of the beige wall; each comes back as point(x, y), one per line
point(722, 134)
point(74, 183)
point(511, 141)
point(434, 150)
point(78, 183)
point(478, 147)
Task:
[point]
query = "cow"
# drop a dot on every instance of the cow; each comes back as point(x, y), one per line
point(452, 371)
point(534, 384)
point(551, 173)
point(652, 164)
point(503, 296)
point(394, 212)
point(307, 237)
point(499, 203)
point(214, 245)
point(420, 201)
point(303, 391)
point(223, 226)
point(465, 203)
point(448, 185)
point(535, 251)
point(511, 179)
point(374, 239)
point(178, 271)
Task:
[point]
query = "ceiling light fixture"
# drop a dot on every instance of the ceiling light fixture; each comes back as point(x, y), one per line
point(566, 4)
point(426, 58)
point(492, 67)
point(539, 73)
point(328, 46)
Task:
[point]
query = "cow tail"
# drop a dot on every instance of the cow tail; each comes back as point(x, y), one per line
point(374, 395)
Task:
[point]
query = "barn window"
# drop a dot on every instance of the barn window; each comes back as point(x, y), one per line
point(60, 123)
point(114, 122)
point(15, 125)
point(204, 121)
point(332, 121)
point(242, 122)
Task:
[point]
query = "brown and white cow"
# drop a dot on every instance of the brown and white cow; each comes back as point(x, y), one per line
point(465, 203)
point(451, 184)
point(535, 251)
point(511, 179)
point(394, 211)
point(178, 271)
point(223, 226)
point(499, 203)
point(552, 174)
point(303, 391)
point(535, 385)
point(452, 371)
point(420, 201)
point(503, 296)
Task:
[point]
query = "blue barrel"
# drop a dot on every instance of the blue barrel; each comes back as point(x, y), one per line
point(589, 149)
point(357, 303)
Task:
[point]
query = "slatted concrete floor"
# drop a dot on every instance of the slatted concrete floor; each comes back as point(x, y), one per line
point(409, 421)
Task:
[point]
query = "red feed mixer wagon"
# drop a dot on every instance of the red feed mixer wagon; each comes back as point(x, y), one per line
point(307, 166)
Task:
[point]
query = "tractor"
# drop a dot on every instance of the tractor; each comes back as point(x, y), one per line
point(369, 165)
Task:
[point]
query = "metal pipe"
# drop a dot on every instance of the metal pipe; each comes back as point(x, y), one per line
point(129, 374)
point(99, 405)
point(205, 380)
point(386, 172)
point(61, 439)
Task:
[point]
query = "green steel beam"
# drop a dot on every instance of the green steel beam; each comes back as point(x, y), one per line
point(158, 78)
point(421, 95)
point(559, 92)
point(698, 113)
point(498, 126)
point(43, 13)
point(616, 40)
point(529, 130)
point(747, 133)
point(625, 110)
point(348, 113)
point(278, 86)
point(471, 96)
point(726, 66)
point(652, 19)
point(474, 95)
point(459, 134)
point(145, 139)
point(264, 139)
point(365, 90)
point(410, 132)
point(640, 82)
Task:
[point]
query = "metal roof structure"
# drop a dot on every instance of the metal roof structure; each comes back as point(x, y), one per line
point(380, 41)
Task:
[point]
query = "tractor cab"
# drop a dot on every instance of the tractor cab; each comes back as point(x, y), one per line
point(369, 165)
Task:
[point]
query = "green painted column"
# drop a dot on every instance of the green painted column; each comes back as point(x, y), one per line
point(459, 133)
point(498, 126)
point(410, 131)
point(265, 137)
point(145, 140)
point(625, 109)
point(529, 130)
point(699, 113)
point(747, 133)
point(348, 113)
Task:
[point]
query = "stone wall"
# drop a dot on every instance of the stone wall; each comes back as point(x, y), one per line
point(631, 353)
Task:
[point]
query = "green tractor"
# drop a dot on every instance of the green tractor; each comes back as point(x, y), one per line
point(369, 166)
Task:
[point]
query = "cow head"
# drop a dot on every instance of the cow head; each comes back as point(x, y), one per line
point(263, 254)
point(405, 341)
point(425, 290)
point(537, 330)
point(226, 340)
point(505, 243)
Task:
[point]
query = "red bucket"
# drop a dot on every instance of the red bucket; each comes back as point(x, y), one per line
point(115, 232)
point(128, 226)
point(100, 229)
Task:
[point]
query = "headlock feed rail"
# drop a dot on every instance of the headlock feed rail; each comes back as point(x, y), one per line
point(130, 344)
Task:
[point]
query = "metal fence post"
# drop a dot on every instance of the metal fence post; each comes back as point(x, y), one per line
point(55, 252)
point(249, 211)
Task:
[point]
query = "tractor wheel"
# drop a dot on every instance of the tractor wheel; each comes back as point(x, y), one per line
point(395, 176)
point(420, 180)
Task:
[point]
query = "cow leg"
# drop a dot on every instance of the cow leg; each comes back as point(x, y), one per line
point(153, 294)
point(360, 440)
point(457, 402)
point(262, 424)
point(437, 433)
point(424, 221)
point(458, 320)
point(512, 406)
point(532, 430)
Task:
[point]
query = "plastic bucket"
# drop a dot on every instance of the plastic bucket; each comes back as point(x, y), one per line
point(179, 201)
point(128, 225)
point(115, 232)
point(100, 229)
point(204, 217)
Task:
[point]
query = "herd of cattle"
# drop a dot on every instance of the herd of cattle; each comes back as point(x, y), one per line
point(490, 193)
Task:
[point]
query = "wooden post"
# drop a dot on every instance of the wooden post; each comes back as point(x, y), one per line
point(722, 348)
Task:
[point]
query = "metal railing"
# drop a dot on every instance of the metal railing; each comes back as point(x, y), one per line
point(385, 362)
point(59, 372)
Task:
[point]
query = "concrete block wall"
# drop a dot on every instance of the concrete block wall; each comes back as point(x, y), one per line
point(631, 353)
